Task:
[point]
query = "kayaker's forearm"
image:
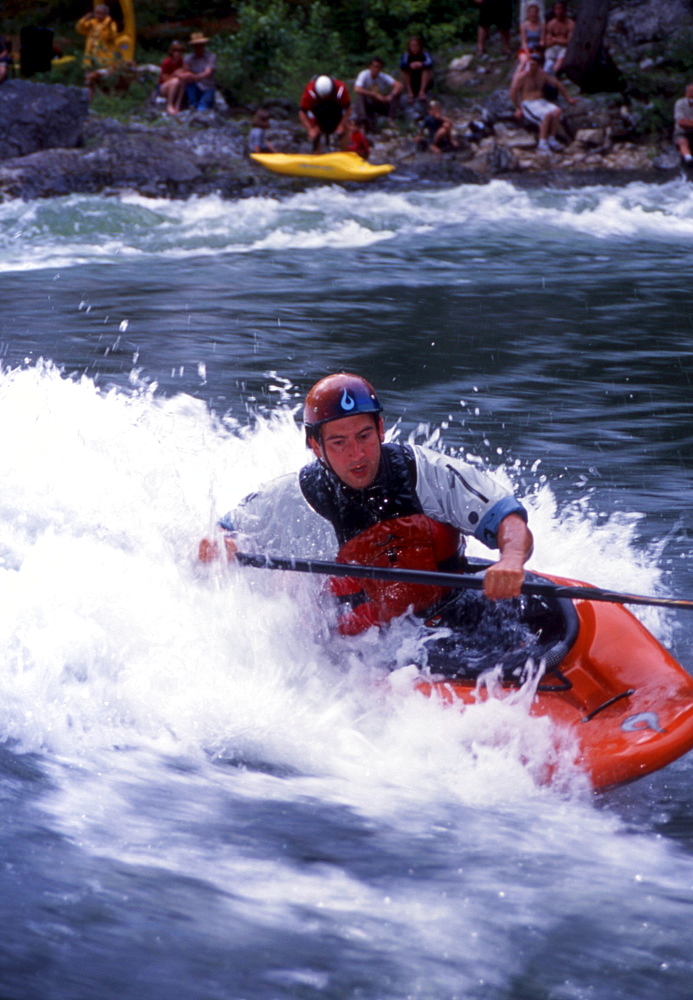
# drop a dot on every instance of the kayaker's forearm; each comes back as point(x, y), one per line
point(515, 540)
point(504, 579)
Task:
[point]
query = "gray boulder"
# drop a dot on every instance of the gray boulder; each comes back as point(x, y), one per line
point(634, 23)
point(36, 116)
point(497, 107)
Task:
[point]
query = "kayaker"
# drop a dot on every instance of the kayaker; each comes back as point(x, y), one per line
point(324, 110)
point(382, 504)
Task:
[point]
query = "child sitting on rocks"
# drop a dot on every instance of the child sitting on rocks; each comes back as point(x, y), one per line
point(436, 131)
point(257, 138)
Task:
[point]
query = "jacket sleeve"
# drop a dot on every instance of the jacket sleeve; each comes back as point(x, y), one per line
point(457, 493)
point(277, 520)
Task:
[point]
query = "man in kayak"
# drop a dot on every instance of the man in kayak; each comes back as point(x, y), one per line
point(324, 109)
point(382, 504)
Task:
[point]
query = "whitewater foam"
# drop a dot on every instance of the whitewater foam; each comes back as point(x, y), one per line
point(71, 231)
point(112, 633)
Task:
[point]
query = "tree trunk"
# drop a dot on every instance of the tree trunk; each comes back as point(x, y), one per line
point(587, 62)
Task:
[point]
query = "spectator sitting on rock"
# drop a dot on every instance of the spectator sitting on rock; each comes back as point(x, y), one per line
point(100, 52)
point(199, 67)
point(532, 32)
point(416, 67)
point(527, 94)
point(5, 59)
point(683, 125)
point(171, 83)
point(436, 131)
point(532, 29)
point(257, 138)
point(558, 31)
point(376, 93)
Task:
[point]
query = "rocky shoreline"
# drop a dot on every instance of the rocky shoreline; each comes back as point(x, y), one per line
point(203, 153)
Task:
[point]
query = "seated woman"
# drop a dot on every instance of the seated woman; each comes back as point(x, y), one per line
point(532, 30)
point(532, 37)
point(416, 67)
point(171, 85)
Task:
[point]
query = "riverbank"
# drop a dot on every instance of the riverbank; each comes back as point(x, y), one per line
point(202, 153)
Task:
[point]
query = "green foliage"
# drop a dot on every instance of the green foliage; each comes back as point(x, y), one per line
point(654, 118)
point(680, 52)
point(276, 50)
point(438, 22)
point(121, 98)
point(282, 43)
point(70, 73)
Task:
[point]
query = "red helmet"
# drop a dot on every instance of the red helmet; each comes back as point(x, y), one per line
point(337, 396)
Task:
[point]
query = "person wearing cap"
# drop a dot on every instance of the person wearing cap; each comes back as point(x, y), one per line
point(324, 110)
point(375, 503)
point(199, 67)
point(527, 94)
point(171, 83)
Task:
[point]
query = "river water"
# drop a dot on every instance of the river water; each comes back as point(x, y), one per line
point(204, 798)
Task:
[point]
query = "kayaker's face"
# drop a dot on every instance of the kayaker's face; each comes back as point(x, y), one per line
point(351, 448)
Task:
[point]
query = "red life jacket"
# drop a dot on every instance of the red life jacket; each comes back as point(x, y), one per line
point(412, 542)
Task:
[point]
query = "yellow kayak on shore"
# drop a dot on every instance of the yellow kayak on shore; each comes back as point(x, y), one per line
point(324, 167)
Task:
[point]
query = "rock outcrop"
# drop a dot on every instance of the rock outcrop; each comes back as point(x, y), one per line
point(35, 116)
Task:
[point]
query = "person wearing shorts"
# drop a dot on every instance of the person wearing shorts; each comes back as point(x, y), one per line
point(527, 94)
point(498, 13)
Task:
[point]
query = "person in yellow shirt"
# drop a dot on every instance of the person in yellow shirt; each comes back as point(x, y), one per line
point(100, 53)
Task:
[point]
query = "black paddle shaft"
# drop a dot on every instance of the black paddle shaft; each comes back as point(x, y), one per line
point(454, 581)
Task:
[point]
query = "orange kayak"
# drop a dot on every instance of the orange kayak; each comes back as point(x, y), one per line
point(626, 700)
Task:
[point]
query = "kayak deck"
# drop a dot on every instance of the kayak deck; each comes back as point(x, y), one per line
point(325, 166)
point(623, 696)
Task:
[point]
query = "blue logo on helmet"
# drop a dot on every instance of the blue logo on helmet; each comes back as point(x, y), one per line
point(347, 402)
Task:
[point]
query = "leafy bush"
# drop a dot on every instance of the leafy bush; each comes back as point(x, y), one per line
point(680, 52)
point(283, 43)
point(69, 72)
point(120, 97)
point(652, 119)
point(276, 50)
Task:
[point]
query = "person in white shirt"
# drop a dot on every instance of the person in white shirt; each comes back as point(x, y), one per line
point(377, 93)
point(683, 125)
